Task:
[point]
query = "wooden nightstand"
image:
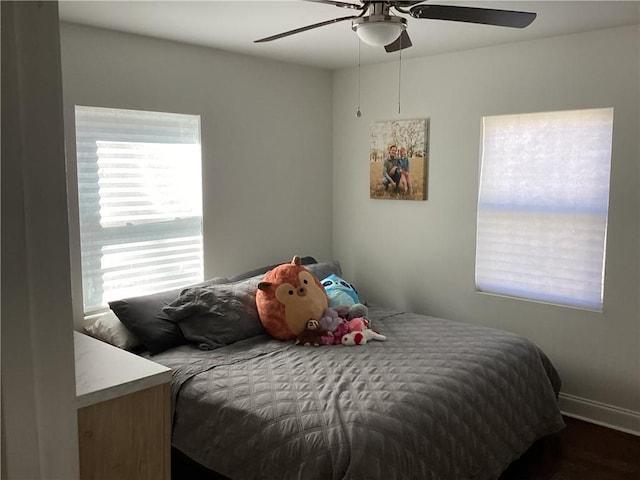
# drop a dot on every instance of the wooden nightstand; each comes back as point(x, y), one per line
point(124, 406)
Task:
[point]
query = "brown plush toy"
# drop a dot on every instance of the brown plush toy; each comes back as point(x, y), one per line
point(312, 335)
point(287, 298)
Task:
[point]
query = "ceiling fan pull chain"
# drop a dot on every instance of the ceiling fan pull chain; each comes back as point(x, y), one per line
point(358, 113)
point(399, 73)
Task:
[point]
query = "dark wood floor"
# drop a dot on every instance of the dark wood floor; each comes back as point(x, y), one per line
point(582, 451)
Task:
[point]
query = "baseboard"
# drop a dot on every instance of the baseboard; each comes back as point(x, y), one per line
point(600, 413)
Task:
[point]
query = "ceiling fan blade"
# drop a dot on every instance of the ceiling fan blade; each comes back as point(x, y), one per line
point(487, 16)
point(304, 29)
point(404, 3)
point(400, 43)
point(353, 6)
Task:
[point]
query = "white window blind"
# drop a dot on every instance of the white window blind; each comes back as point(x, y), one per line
point(543, 204)
point(140, 202)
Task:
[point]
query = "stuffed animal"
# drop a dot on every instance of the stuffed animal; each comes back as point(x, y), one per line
point(341, 330)
point(373, 335)
point(287, 298)
point(353, 338)
point(330, 319)
point(327, 339)
point(352, 311)
point(312, 335)
point(361, 337)
point(357, 324)
point(339, 291)
point(358, 310)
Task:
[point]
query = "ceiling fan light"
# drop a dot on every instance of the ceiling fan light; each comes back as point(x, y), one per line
point(379, 31)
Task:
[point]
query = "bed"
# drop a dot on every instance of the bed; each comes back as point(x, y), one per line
point(438, 399)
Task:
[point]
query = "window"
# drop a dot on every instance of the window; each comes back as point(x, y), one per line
point(140, 202)
point(542, 206)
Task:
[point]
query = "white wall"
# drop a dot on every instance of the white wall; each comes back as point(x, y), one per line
point(266, 137)
point(268, 143)
point(420, 255)
point(39, 422)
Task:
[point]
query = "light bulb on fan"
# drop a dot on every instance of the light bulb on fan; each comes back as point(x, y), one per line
point(378, 30)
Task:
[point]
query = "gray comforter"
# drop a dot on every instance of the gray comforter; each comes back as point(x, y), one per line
point(438, 400)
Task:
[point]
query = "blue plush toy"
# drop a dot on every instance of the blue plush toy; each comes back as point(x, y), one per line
point(339, 291)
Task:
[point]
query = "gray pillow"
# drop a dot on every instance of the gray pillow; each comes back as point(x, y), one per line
point(216, 315)
point(323, 270)
point(143, 316)
point(262, 270)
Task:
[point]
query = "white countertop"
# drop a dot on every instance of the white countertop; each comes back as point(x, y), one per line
point(105, 372)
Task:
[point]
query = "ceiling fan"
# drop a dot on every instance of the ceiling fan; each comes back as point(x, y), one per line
point(377, 25)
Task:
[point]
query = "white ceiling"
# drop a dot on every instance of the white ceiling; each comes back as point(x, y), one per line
point(234, 25)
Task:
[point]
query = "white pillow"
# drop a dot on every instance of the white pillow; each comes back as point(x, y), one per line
point(108, 328)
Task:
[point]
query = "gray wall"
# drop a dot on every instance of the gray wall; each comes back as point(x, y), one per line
point(266, 138)
point(420, 255)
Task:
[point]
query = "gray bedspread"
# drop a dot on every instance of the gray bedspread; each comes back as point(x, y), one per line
point(438, 400)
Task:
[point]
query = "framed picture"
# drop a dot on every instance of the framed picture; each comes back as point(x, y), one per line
point(398, 159)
